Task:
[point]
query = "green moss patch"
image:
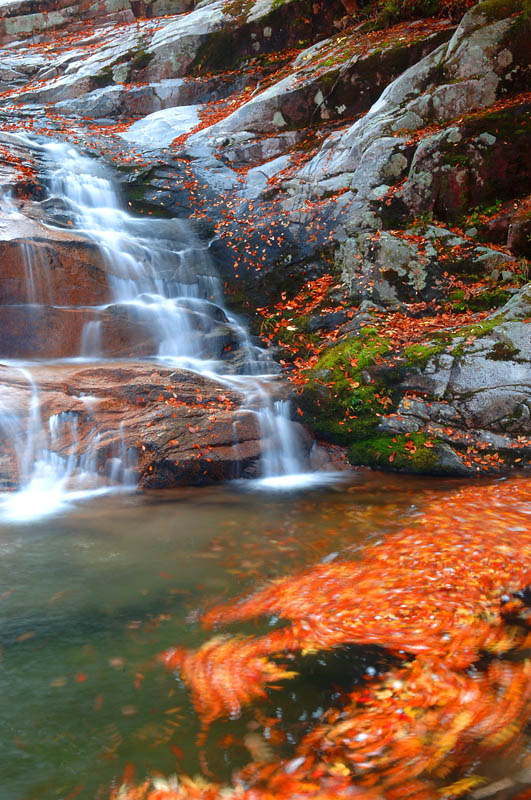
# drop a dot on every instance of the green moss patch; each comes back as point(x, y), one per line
point(468, 332)
point(485, 301)
point(338, 402)
point(413, 452)
point(141, 60)
point(103, 78)
point(418, 355)
point(502, 351)
point(499, 9)
point(393, 11)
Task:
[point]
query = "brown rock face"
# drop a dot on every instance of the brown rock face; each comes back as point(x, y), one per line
point(44, 332)
point(172, 427)
point(519, 234)
point(48, 332)
point(351, 6)
point(46, 265)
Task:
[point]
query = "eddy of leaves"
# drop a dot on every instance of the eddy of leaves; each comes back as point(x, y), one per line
point(438, 594)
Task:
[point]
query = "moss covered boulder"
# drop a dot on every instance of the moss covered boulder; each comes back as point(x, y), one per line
point(456, 403)
point(342, 400)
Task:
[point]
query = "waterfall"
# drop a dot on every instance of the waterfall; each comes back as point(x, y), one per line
point(163, 282)
point(162, 274)
point(49, 480)
point(159, 273)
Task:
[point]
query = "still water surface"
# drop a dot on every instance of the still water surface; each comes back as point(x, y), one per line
point(89, 598)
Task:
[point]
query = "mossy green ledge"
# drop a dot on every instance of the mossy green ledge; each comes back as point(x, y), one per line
point(469, 387)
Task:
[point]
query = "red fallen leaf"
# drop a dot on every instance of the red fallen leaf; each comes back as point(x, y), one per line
point(128, 775)
point(80, 677)
point(75, 792)
point(24, 636)
point(392, 457)
point(177, 752)
point(428, 444)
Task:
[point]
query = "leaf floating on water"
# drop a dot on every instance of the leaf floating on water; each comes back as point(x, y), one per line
point(439, 595)
point(462, 786)
point(225, 674)
point(25, 636)
point(258, 747)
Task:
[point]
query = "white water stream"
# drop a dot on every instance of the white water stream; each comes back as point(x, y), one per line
point(163, 281)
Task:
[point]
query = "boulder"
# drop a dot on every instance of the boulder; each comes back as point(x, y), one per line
point(394, 267)
point(477, 392)
point(162, 127)
point(173, 427)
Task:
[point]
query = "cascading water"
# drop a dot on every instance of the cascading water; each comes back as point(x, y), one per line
point(49, 479)
point(159, 274)
point(163, 282)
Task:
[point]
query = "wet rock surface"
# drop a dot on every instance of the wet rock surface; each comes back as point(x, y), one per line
point(172, 427)
point(49, 264)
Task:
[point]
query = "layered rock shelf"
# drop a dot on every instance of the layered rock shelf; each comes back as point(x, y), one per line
point(172, 427)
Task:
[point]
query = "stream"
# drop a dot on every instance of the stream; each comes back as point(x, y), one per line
point(90, 597)
point(97, 577)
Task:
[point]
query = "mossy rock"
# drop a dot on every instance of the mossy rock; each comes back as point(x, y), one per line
point(102, 79)
point(407, 453)
point(141, 60)
point(501, 9)
point(364, 348)
point(503, 351)
point(338, 402)
point(501, 123)
point(486, 301)
point(418, 355)
point(292, 24)
point(394, 11)
point(135, 194)
point(491, 174)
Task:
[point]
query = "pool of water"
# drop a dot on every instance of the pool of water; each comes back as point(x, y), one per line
point(90, 597)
